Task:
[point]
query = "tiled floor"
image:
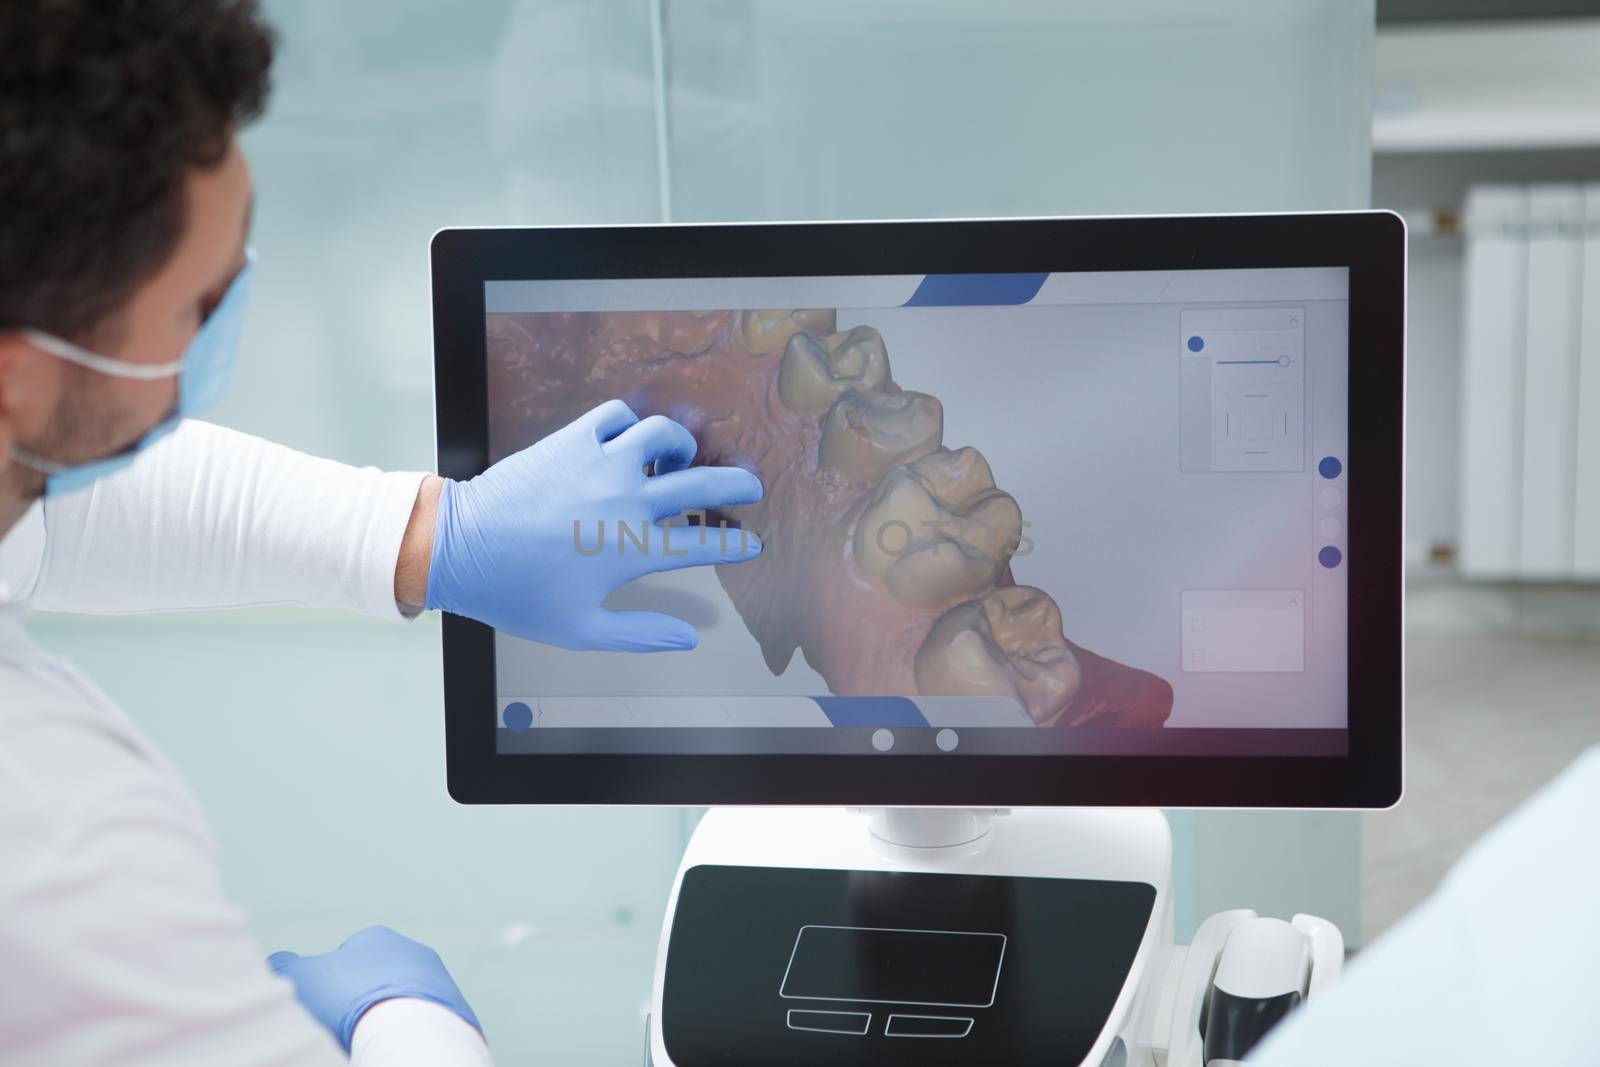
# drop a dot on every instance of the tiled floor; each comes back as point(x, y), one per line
point(1489, 720)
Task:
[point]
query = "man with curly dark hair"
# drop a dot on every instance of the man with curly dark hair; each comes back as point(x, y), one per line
point(122, 247)
point(124, 268)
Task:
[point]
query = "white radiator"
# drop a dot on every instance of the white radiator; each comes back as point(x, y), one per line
point(1530, 405)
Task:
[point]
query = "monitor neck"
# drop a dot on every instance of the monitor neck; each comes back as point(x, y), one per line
point(929, 828)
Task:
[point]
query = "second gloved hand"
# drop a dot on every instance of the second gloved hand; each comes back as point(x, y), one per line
point(373, 965)
point(534, 544)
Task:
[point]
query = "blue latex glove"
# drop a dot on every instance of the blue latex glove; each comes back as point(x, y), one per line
point(520, 546)
point(372, 965)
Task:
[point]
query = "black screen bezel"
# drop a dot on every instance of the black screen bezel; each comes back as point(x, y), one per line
point(1370, 243)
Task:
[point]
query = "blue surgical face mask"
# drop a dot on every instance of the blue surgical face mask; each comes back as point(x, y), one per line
point(202, 374)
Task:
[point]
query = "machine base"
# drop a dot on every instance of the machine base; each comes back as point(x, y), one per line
point(798, 936)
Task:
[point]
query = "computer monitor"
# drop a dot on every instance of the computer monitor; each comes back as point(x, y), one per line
point(1100, 511)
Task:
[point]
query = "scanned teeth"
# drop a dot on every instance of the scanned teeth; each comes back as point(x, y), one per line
point(816, 370)
point(769, 331)
point(1007, 643)
point(937, 530)
point(864, 437)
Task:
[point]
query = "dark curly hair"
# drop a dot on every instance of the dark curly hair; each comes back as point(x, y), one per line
point(104, 106)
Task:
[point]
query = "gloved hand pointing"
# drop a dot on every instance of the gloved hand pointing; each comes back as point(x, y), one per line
point(533, 544)
point(372, 965)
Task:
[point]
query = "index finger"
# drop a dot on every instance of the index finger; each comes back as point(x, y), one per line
point(607, 421)
point(655, 439)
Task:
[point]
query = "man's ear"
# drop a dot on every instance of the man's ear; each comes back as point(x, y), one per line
point(15, 390)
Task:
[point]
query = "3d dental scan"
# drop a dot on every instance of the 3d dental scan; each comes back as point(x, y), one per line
point(950, 535)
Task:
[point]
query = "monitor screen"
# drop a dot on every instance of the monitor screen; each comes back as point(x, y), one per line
point(1005, 514)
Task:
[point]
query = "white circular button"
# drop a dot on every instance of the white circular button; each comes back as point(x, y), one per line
point(1330, 528)
point(946, 740)
point(1330, 497)
point(882, 740)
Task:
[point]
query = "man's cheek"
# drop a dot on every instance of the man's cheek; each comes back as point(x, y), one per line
point(98, 418)
point(141, 405)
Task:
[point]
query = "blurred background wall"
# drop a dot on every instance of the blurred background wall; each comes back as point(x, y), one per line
point(315, 742)
point(1486, 137)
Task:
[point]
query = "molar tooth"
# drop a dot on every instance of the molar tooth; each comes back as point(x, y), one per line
point(860, 358)
point(768, 331)
point(938, 531)
point(815, 371)
point(956, 476)
point(863, 437)
point(805, 383)
point(1007, 643)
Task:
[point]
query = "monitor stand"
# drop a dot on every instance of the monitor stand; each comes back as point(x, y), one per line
point(932, 936)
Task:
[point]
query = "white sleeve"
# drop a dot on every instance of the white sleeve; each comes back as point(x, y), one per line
point(117, 944)
point(212, 518)
point(1495, 968)
point(407, 1032)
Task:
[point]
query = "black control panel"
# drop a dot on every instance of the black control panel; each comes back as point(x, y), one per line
point(773, 965)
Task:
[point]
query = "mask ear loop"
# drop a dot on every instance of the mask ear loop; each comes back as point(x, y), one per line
point(37, 464)
point(117, 368)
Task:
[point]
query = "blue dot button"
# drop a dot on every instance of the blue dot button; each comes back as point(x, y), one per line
point(518, 716)
point(1330, 467)
point(1330, 557)
point(1196, 343)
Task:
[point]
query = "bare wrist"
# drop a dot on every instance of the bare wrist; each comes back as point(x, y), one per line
point(416, 546)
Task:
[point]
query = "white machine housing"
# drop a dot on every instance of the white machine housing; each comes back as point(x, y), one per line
point(1156, 1018)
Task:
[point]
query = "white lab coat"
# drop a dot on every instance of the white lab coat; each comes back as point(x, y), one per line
point(1497, 968)
point(117, 944)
